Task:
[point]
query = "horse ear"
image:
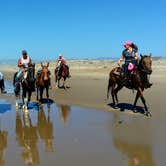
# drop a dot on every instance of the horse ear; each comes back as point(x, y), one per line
point(141, 55)
point(41, 64)
point(48, 64)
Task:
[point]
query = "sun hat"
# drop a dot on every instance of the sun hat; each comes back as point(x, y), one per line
point(127, 43)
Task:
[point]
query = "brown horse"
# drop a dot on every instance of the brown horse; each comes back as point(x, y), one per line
point(43, 81)
point(138, 81)
point(61, 74)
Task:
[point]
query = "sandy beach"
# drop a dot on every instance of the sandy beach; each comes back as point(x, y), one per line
point(89, 125)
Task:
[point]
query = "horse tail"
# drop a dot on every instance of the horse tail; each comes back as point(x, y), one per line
point(111, 82)
point(109, 86)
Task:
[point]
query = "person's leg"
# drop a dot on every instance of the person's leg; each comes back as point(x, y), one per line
point(19, 75)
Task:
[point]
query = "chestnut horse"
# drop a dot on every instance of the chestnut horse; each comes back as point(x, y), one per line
point(138, 81)
point(61, 74)
point(43, 81)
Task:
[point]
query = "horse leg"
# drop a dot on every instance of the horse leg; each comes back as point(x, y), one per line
point(37, 94)
point(113, 94)
point(24, 99)
point(58, 83)
point(119, 87)
point(41, 92)
point(47, 93)
point(108, 88)
point(29, 96)
point(144, 102)
point(135, 102)
point(64, 79)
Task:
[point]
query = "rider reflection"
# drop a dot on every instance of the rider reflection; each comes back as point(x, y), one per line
point(138, 152)
point(45, 128)
point(26, 135)
point(3, 145)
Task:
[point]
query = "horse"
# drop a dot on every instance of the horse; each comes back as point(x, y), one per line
point(61, 74)
point(43, 81)
point(27, 84)
point(138, 82)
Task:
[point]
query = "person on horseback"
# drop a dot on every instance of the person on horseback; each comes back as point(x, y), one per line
point(2, 85)
point(61, 61)
point(23, 63)
point(130, 56)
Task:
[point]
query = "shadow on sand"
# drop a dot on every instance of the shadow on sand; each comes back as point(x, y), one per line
point(4, 108)
point(128, 107)
point(46, 101)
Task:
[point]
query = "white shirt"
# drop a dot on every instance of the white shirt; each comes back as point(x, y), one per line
point(25, 61)
point(1, 76)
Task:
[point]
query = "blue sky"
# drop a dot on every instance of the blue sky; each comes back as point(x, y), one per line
point(81, 28)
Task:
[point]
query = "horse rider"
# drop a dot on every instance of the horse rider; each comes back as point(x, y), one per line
point(2, 85)
point(23, 63)
point(130, 56)
point(62, 61)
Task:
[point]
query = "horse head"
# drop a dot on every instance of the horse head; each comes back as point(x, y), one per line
point(31, 71)
point(146, 63)
point(45, 71)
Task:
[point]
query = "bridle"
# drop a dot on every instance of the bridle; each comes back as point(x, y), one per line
point(142, 66)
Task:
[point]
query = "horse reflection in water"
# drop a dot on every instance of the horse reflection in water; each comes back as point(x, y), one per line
point(137, 149)
point(64, 113)
point(26, 135)
point(45, 128)
point(3, 145)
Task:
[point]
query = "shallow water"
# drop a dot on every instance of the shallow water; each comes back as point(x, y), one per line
point(68, 135)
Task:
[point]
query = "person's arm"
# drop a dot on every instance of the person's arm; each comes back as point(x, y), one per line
point(121, 59)
point(19, 63)
point(136, 55)
point(30, 61)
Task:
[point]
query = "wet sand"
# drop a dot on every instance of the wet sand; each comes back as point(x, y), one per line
point(93, 133)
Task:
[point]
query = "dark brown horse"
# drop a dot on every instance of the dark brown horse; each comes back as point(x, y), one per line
point(43, 81)
point(138, 81)
point(27, 84)
point(61, 74)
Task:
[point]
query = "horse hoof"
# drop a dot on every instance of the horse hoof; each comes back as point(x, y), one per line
point(17, 106)
point(26, 110)
point(148, 114)
point(134, 110)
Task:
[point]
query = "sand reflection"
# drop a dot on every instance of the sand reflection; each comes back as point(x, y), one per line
point(27, 138)
point(3, 145)
point(45, 128)
point(136, 147)
point(64, 111)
